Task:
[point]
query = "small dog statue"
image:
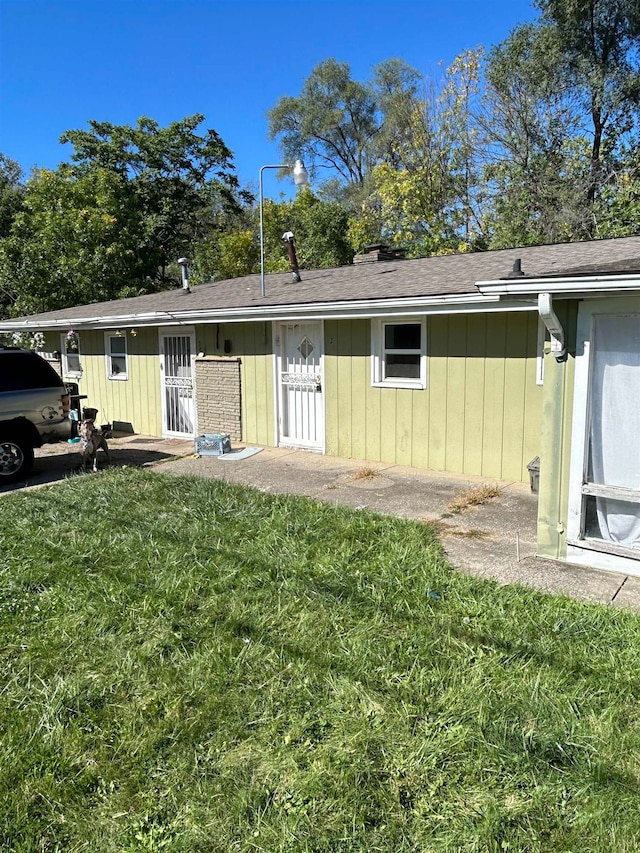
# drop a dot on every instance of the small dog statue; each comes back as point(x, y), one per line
point(91, 440)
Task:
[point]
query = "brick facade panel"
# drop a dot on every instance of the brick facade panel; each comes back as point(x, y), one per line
point(219, 396)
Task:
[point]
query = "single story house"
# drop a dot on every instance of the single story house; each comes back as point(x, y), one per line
point(473, 364)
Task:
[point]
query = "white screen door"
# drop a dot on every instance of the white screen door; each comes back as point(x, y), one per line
point(606, 512)
point(300, 394)
point(176, 370)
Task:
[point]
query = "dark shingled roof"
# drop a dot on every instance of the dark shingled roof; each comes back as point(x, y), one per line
point(436, 276)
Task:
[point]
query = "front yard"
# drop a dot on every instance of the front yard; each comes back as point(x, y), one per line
point(192, 666)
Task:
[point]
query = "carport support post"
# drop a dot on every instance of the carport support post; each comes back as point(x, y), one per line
point(555, 456)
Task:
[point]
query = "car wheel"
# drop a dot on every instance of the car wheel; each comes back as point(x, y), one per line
point(16, 459)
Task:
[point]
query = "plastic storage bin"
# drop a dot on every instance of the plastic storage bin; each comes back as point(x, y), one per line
point(215, 444)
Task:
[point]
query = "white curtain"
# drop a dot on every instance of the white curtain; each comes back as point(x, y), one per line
point(615, 423)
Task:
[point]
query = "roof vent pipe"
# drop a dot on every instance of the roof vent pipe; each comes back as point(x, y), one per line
point(516, 272)
point(293, 258)
point(184, 269)
point(550, 319)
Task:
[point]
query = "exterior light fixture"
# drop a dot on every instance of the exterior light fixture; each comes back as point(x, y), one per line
point(300, 178)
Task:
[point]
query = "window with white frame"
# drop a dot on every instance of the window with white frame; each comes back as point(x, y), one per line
point(116, 354)
point(399, 353)
point(70, 350)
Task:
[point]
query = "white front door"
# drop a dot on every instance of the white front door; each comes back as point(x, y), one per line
point(299, 365)
point(176, 371)
point(603, 528)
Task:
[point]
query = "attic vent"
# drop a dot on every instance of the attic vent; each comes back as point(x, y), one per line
point(379, 252)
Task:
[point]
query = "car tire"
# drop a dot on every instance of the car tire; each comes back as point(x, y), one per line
point(16, 459)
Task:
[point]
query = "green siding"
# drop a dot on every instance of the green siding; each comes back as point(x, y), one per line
point(252, 343)
point(135, 400)
point(480, 413)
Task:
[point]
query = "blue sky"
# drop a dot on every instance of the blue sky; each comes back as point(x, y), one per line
point(63, 62)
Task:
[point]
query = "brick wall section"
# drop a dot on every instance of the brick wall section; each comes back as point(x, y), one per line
point(218, 395)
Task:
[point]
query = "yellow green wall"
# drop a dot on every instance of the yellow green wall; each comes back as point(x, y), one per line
point(252, 343)
point(137, 400)
point(480, 413)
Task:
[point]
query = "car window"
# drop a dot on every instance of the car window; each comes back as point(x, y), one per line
point(22, 371)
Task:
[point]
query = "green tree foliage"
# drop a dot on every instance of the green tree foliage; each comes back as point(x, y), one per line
point(422, 194)
point(561, 104)
point(331, 123)
point(182, 184)
point(320, 229)
point(114, 221)
point(73, 242)
point(321, 238)
point(599, 42)
point(11, 193)
point(229, 254)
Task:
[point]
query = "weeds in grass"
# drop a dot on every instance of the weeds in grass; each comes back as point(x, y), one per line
point(474, 497)
point(365, 473)
point(445, 529)
point(200, 667)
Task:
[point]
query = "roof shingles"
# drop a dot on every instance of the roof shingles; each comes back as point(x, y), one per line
point(397, 279)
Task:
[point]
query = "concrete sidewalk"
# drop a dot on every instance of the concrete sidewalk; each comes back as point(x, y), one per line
point(494, 540)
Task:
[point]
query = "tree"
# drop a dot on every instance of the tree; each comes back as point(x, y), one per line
point(11, 193)
point(422, 194)
point(534, 159)
point(599, 43)
point(113, 222)
point(561, 103)
point(181, 184)
point(332, 123)
point(320, 229)
point(73, 242)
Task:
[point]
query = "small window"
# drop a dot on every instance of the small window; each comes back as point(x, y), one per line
point(71, 360)
point(399, 353)
point(116, 351)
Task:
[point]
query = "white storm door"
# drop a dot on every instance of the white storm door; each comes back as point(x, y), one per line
point(299, 383)
point(176, 372)
point(604, 503)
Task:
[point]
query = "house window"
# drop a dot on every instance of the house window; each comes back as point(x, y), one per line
point(116, 352)
point(399, 353)
point(71, 361)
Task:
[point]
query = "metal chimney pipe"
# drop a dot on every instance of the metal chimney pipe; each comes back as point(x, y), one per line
point(293, 258)
point(184, 270)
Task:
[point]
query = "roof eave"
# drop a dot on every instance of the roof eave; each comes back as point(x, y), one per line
point(452, 303)
point(571, 285)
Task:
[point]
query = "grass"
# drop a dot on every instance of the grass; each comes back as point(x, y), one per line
point(193, 666)
point(365, 473)
point(443, 528)
point(475, 496)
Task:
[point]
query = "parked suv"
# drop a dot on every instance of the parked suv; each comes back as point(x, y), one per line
point(34, 410)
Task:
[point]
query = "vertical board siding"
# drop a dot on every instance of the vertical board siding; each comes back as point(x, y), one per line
point(480, 413)
point(252, 344)
point(135, 400)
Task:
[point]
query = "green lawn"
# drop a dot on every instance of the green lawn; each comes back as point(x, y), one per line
point(192, 666)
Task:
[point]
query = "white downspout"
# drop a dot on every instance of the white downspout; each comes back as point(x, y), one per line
point(550, 319)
